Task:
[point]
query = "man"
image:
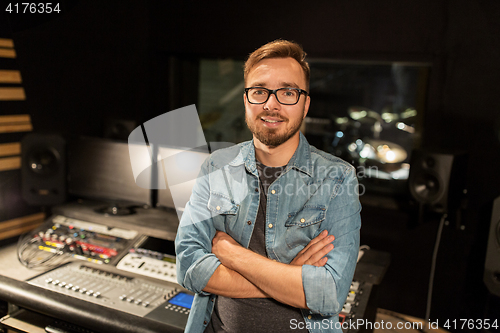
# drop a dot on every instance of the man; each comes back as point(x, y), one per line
point(255, 239)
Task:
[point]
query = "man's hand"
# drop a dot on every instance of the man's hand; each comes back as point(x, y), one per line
point(226, 281)
point(314, 252)
point(225, 247)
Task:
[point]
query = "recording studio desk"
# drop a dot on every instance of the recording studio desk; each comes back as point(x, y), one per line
point(41, 307)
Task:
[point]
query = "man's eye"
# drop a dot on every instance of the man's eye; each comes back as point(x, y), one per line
point(288, 93)
point(259, 92)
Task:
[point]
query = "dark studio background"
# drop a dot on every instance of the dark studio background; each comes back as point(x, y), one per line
point(133, 60)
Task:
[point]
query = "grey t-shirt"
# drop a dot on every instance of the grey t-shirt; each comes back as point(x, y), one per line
point(256, 315)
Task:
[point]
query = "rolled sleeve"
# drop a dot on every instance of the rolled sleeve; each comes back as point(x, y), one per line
point(195, 262)
point(326, 288)
point(198, 274)
point(193, 243)
point(320, 290)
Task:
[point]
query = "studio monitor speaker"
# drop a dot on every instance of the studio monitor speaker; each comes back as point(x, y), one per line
point(43, 169)
point(492, 263)
point(437, 180)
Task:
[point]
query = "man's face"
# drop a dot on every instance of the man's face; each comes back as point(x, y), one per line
point(273, 123)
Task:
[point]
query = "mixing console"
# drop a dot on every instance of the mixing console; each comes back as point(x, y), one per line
point(161, 301)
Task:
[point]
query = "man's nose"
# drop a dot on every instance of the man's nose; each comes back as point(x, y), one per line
point(272, 103)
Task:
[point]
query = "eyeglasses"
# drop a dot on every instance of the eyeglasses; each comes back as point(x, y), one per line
point(285, 96)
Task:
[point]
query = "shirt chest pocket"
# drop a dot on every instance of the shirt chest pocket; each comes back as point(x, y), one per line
point(224, 211)
point(302, 226)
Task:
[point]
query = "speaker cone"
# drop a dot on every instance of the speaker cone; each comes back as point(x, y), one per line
point(426, 187)
point(43, 161)
point(43, 169)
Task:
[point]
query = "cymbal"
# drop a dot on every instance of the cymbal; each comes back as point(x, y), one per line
point(364, 115)
point(389, 117)
point(408, 113)
point(388, 152)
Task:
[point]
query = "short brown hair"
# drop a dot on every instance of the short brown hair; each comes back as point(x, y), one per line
point(279, 48)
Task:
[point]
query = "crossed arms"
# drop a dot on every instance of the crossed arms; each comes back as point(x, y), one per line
point(210, 261)
point(246, 274)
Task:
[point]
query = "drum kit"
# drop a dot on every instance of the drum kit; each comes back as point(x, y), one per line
point(364, 138)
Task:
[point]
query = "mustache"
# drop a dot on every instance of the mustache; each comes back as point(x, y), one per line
point(273, 115)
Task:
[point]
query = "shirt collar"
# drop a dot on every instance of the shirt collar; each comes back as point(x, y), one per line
point(301, 159)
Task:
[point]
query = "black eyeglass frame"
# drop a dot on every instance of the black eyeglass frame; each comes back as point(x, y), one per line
point(271, 92)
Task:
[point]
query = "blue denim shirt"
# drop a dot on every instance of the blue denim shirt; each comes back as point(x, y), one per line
point(316, 191)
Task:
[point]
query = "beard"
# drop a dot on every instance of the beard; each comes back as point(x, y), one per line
point(272, 137)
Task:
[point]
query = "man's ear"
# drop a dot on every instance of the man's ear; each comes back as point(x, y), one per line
point(306, 106)
point(244, 99)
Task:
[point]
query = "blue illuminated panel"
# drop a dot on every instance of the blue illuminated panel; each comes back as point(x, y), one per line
point(182, 299)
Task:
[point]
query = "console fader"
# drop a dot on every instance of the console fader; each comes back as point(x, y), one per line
point(161, 301)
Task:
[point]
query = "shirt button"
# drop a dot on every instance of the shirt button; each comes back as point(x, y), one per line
point(205, 322)
point(249, 222)
point(302, 220)
point(256, 190)
point(309, 317)
point(273, 191)
point(218, 207)
point(270, 225)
